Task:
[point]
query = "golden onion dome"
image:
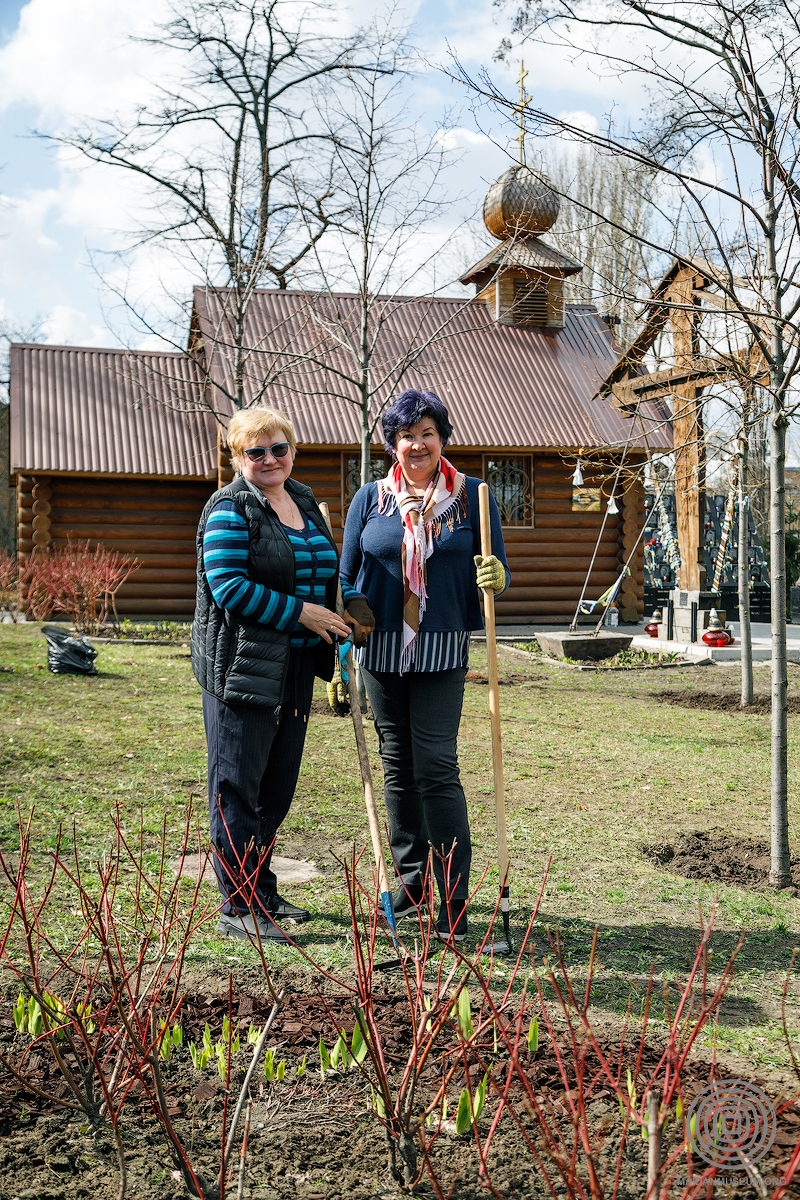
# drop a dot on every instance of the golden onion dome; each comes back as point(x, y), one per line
point(520, 202)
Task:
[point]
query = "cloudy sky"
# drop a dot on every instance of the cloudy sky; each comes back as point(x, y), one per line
point(63, 61)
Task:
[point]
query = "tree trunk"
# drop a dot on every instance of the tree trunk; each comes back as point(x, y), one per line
point(745, 633)
point(759, 476)
point(365, 440)
point(779, 876)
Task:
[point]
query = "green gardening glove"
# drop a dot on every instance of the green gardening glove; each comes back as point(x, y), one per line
point(491, 574)
point(337, 693)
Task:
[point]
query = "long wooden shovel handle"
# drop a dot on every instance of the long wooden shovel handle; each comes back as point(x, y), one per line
point(363, 762)
point(494, 702)
point(366, 778)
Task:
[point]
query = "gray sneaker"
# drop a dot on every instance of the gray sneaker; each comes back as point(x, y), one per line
point(244, 927)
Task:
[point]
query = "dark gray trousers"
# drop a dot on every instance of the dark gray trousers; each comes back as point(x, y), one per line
point(417, 718)
point(253, 762)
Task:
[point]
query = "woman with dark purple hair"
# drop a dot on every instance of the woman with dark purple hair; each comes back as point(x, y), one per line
point(412, 545)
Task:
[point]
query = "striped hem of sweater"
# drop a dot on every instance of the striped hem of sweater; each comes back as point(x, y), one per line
point(436, 651)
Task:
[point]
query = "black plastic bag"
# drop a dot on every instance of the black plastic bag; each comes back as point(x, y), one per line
point(67, 655)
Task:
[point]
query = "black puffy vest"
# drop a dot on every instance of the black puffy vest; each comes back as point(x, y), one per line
point(241, 661)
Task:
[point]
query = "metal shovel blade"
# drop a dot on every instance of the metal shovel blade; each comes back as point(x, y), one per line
point(505, 947)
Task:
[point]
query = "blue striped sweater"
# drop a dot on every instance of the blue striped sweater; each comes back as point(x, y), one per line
point(226, 542)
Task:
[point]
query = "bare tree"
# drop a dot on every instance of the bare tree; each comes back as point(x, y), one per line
point(724, 74)
point(239, 160)
point(370, 333)
point(618, 270)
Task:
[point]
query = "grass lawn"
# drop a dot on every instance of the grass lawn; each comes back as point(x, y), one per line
point(595, 766)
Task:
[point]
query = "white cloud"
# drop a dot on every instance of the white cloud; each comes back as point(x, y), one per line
point(65, 326)
point(67, 59)
point(461, 137)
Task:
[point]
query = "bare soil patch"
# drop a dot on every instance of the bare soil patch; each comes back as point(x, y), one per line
point(728, 702)
point(508, 680)
point(715, 857)
point(309, 1138)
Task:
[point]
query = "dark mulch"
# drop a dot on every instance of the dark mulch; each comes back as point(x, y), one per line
point(707, 855)
point(729, 702)
point(310, 1139)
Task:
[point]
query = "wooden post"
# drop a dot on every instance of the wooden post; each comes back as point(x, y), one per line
point(366, 769)
point(687, 422)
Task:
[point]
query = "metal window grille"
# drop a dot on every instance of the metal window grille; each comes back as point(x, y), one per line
point(351, 476)
point(510, 480)
point(530, 302)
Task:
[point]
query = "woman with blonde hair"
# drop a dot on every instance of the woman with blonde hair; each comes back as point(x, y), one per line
point(265, 625)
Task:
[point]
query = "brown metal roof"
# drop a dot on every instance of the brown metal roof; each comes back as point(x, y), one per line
point(503, 385)
point(530, 253)
point(108, 411)
point(76, 409)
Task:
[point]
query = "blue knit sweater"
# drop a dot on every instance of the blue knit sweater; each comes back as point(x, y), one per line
point(225, 552)
point(371, 561)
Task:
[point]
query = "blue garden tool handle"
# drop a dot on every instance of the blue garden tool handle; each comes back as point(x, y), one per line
point(343, 649)
point(388, 912)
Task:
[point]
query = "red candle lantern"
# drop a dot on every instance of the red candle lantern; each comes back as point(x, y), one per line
point(717, 634)
point(652, 626)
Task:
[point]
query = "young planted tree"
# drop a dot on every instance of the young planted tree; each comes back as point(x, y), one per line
point(238, 165)
point(743, 576)
point(722, 135)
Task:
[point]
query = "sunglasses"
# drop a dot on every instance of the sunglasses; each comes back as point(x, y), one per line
point(279, 450)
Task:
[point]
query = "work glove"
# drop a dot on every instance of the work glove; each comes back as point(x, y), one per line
point(491, 574)
point(360, 617)
point(337, 690)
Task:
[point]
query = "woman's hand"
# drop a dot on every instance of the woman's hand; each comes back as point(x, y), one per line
point(490, 573)
point(322, 621)
point(359, 615)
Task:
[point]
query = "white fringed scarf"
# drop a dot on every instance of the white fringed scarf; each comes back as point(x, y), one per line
point(442, 493)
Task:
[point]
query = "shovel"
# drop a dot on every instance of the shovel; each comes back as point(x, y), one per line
point(369, 794)
point(497, 743)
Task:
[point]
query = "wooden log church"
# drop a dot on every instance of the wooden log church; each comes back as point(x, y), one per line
point(125, 447)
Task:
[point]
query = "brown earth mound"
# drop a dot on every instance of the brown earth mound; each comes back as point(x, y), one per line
point(711, 856)
point(724, 702)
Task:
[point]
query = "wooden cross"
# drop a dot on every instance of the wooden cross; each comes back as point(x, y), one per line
point(520, 108)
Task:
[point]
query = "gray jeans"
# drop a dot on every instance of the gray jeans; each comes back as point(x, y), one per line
point(417, 718)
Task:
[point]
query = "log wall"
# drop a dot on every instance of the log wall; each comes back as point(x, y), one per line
point(152, 519)
point(549, 562)
point(156, 520)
